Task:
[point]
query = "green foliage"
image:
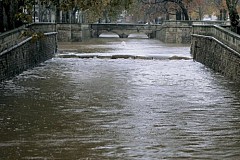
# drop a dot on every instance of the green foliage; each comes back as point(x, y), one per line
point(35, 35)
point(25, 18)
point(22, 10)
point(25, 9)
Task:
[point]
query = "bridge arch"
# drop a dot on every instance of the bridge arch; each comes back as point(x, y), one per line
point(97, 33)
point(123, 30)
point(138, 35)
point(121, 33)
point(108, 34)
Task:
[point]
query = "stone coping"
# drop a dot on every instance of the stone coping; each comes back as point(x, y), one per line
point(24, 41)
point(220, 33)
point(221, 43)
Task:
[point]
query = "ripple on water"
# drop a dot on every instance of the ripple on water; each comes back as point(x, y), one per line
point(71, 108)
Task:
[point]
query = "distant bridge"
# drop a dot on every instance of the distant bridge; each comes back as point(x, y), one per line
point(123, 30)
point(168, 31)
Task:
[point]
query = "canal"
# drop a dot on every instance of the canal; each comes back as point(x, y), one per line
point(156, 103)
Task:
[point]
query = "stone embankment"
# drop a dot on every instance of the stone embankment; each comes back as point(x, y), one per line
point(72, 32)
point(218, 48)
point(19, 53)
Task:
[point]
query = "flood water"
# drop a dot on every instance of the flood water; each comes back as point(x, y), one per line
point(126, 109)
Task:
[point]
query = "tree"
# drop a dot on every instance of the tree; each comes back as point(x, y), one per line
point(95, 9)
point(233, 14)
point(197, 9)
point(18, 12)
point(182, 4)
point(222, 9)
point(9, 11)
point(1, 17)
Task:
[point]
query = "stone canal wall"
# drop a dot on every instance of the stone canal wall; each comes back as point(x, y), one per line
point(179, 32)
point(175, 32)
point(19, 53)
point(73, 32)
point(217, 48)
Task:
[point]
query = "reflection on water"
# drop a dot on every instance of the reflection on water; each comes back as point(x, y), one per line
point(71, 108)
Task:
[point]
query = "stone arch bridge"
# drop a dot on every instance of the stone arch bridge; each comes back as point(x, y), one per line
point(123, 30)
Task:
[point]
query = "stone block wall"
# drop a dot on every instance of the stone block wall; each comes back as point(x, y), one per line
point(222, 33)
point(43, 27)
point(72, 32)
point(64, 32)
point(13, 37)
point(216, 55)
point(9, 39)
point(175, 32)
point(25, 55)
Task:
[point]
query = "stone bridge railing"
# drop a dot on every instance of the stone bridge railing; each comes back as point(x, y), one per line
point(123, 29)
point(221, 33)
point(168, 31)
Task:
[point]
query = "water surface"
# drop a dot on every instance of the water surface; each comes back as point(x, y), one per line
point(92, 108)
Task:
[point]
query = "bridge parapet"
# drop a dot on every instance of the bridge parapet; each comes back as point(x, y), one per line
point(218, 48)
point(168, 31)
point(190, 23)
point(122, 29)
point(221, 33)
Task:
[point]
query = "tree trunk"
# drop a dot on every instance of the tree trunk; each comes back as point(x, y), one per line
point(10, 23)
point(180, 3)
point(11, 9)
point(178, 15)
point(184, 11)
point(1, 17)
point(233, 14)
point(57, 11)
point(200, 13)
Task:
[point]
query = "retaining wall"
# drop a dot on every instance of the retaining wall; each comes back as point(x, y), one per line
point(73, 32)
point(217, 48)
point(175, 32)
point(19, 54)
point(180, 31)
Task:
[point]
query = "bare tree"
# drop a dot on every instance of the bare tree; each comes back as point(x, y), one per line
point(180, 3)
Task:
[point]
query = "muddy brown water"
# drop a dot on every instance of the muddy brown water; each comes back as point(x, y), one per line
point(124, 108)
